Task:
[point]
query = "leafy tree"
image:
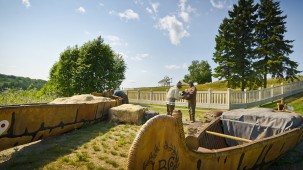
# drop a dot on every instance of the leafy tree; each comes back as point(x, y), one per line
point(199, 72)
point(272, 48)
point(92, 67)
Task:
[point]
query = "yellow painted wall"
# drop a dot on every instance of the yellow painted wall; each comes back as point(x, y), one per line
point(27, 123)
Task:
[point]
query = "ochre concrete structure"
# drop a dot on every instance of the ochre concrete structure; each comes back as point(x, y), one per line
point(161, 144)
point(21, 124)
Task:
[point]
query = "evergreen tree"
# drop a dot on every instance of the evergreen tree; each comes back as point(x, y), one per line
point(235, 45)
point(223, 55)
point(272, 49)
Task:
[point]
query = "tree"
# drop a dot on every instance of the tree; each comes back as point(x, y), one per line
point(235, 45)
point(272, 49)
point(92, 67)
point(243, 19)
point(223, 53)
point(199, 72)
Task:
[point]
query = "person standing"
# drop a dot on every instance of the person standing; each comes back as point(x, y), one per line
point(191, 98)
point(171, 96)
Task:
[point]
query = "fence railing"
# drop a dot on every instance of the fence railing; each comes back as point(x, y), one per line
point(229, 99)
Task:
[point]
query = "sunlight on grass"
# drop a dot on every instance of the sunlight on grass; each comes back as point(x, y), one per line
point(296, 101)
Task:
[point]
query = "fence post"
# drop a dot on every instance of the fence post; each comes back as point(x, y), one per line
point(228, 99)
point(245, 97)
point(260, 95)
point(209, 97)
point(282, 89)
point(151, 95)
point(272, 91)
point(138, 95)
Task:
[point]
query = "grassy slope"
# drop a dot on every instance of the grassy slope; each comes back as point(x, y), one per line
point(296, 101)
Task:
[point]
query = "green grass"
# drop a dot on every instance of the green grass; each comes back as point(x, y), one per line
point(13, 96)
point(200, 112)
point(296, 101)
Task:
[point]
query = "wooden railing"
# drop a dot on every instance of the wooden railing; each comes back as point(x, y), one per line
point(230, 99)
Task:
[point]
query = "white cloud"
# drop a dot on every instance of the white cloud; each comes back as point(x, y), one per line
point(101, 4)
point(114, 40)
point(87, 33)
point(26, 3)
point(143, 71)
point(172, 66)
point(138, 2)
point(140, 57)
point(218, 3)
point(129, 14)
point(112, 12)
point(125, 56)
point(185, 66)
point(81, 10)
point(174, 28)
point(185, 10)
point(149, 10)
point(155, 7)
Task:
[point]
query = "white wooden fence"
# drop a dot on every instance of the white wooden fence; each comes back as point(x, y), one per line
point(229, 99)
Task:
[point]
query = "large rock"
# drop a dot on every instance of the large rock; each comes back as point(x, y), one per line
point(127, 113)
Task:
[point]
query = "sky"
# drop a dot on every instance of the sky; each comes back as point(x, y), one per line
point(156, 38)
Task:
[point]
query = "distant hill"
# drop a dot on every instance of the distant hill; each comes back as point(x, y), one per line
point(15, 82)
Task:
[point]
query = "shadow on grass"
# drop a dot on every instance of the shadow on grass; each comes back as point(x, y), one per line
point(39, 154)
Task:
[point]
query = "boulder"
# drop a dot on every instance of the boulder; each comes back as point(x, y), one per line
point(127, 113)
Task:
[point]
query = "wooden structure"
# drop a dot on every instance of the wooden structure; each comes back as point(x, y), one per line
point(168, 148)
point(166, 81)
point(21, 124)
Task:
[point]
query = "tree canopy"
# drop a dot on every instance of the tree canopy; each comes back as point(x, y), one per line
point(199, 72)
point(93, 67)
point(272, 48)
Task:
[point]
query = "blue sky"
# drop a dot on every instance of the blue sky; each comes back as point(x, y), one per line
point(156, 38)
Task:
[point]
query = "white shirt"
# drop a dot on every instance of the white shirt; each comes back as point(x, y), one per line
point(172, 95)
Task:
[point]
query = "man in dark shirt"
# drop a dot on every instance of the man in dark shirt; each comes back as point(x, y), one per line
point(191, 98)
point(120, 94)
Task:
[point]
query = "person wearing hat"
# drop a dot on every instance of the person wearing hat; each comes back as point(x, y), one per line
point(171, 96)
point(191, 98)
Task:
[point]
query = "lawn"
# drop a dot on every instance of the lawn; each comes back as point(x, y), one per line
point(296, 101)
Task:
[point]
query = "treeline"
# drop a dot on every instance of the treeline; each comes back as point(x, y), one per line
point(24, 83)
